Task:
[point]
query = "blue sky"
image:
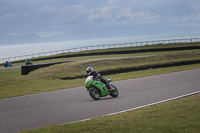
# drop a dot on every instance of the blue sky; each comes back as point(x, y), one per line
point(86, 19)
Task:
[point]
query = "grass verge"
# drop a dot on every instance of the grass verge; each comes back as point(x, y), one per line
point(177, 116)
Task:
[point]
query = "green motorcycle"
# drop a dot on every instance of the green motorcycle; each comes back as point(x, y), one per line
point(97, 89)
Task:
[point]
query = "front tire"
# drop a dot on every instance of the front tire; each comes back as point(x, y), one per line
point(95, 94)
point(114, 93)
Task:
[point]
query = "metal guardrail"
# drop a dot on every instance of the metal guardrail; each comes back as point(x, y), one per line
point(79, 49)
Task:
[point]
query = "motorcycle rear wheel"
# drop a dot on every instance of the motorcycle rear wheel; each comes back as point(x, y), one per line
point(114, 93)
point(95, 94)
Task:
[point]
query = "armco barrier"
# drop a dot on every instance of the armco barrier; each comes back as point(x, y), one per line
point(138, 68)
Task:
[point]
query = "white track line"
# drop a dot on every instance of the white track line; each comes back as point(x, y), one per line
point(141, 106)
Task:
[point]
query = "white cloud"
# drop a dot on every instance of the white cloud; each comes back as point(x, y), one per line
point(104, 12)
point(119, 15)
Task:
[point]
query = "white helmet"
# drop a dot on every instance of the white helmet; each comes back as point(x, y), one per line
point(89, 70)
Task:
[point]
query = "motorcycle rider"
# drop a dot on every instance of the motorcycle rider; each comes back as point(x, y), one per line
point(90, 72)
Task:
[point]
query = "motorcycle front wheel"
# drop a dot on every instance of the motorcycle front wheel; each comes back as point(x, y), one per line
point(94, 93)
point(114, 92)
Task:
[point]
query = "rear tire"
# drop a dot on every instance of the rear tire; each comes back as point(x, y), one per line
point(95, 94)
point(114, 93)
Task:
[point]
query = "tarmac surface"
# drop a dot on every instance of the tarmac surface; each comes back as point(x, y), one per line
point(70, 105)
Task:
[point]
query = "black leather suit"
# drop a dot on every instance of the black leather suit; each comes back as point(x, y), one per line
point(97, 75)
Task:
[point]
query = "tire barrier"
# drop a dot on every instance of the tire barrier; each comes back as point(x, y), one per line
point(26, 69)
point(138, 68)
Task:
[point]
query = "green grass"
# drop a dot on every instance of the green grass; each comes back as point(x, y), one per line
point(177, 116)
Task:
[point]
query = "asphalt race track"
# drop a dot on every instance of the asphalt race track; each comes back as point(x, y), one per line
point(64, 106)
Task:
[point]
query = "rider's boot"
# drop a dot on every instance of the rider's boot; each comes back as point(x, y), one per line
point(109, 87)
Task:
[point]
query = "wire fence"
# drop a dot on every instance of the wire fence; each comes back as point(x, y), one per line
point(86, 48)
